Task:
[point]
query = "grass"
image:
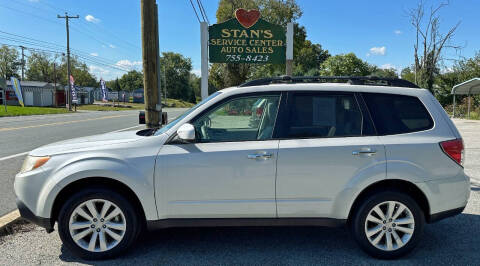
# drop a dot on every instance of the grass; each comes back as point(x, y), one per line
point(120, 106)
point(29, 110)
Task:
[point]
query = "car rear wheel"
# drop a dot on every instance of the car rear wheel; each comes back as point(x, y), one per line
point(98, 223)
point(388, 224)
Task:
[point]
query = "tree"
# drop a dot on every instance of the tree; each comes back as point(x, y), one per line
point(408, 74)
point(40, 67)
point(345, 65)
point(309, 57)
point(429, 43)
point(79, 71)
point(177, 75)
point(9, 62)
point(384, 72)
point(130, 81)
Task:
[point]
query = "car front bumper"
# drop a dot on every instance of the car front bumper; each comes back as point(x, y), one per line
point(27, 214)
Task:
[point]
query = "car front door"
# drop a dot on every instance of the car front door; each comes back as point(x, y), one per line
point(229, 171)
point(327, 144)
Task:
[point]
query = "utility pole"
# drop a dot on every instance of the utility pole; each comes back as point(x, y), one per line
point(159, 72)
point(23, 62)
point(69, 94)
point(150, 61)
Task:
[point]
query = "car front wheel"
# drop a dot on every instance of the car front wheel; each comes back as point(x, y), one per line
point(98, 223)
point(388, 224)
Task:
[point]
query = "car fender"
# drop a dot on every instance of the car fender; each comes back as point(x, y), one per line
point(362, 179)
point(107, 166)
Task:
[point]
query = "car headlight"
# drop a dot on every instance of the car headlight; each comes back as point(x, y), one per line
point(33, 162)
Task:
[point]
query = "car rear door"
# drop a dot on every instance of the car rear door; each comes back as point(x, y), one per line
point(327, 140)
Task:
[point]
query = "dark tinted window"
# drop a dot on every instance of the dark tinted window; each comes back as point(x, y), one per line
point(396, 114)
point(323, 115)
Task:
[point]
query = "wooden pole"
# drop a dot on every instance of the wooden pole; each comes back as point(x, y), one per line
point(150, 58)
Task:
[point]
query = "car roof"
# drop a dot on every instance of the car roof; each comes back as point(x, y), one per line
point(340, 87)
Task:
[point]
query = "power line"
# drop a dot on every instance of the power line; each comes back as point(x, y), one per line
point(35, 42)
point(202, 9)
point(56, 52)
point(196, 14)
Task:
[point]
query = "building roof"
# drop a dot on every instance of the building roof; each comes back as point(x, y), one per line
point(468, 87)
point(27, 83)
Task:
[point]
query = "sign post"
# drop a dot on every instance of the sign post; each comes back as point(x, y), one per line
point(289, 55)
point(204, 54)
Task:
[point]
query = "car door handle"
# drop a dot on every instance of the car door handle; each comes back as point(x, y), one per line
point(368, 152)
point(260, 156)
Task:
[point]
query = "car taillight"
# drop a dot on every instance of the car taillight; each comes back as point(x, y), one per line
point(454, 149)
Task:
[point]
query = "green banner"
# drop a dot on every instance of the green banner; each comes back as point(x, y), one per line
point(230, 42)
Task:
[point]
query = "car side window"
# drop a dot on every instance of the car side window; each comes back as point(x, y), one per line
point(240, 119)
point(397, 114)
point(321, 115)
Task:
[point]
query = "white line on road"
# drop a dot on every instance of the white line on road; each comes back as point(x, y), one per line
point(13, 156)
point(126, 128)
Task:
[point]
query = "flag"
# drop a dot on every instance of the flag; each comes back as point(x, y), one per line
point(74, 92)
point(18, 90)
point(104, 90)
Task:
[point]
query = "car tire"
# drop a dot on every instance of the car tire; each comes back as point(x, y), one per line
point(113, 235)
point(381, 237)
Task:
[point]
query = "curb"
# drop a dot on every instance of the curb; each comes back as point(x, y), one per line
point(7, 220)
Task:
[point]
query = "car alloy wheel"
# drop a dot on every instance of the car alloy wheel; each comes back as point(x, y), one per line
point(389, 225)
point(97, 225)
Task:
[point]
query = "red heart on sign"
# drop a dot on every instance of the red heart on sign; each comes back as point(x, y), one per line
point(247, 18)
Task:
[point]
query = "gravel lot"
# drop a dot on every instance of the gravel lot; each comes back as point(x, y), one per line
point(451, 241)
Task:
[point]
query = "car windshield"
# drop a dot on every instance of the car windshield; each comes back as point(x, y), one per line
point(174, 122)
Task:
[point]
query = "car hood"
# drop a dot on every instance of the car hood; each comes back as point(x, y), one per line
point(87, 143)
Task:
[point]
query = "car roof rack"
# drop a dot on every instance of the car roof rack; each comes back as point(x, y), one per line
point(353, 80)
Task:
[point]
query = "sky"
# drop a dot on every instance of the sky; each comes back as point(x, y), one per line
point(107, 34)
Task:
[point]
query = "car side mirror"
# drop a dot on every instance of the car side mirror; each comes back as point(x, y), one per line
point(186, 132)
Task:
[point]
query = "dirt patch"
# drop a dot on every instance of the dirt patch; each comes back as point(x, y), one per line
point(19, 226)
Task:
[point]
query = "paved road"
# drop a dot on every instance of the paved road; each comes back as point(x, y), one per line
point(25, 133)
point(453, 241)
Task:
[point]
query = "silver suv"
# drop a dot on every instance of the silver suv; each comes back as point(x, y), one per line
point(378, 155)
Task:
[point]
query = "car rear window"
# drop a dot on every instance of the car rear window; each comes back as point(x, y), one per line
point(397, 114)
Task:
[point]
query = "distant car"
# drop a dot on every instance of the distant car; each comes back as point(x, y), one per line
point(383, 160)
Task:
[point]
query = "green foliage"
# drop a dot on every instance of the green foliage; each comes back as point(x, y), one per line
point(130, 81)
point(177, 76)
point(308, 57)
point(79, 71)
point(9, 62)
point(408, 74)
point(40, 67)
point(384, 73)
point(345, 65)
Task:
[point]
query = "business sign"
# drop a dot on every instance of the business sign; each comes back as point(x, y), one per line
point(74, 92)
point(247, 38)
point(18, 90)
